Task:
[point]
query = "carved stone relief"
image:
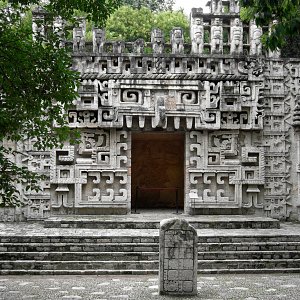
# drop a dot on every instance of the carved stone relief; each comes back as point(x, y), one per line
point(225, 170)
point(240, 116)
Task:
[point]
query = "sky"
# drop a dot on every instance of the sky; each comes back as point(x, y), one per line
point(187, 5)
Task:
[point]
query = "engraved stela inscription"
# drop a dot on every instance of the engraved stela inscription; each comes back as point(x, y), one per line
point(177, 258)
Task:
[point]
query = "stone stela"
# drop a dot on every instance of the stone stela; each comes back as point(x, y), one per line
point(177, 258)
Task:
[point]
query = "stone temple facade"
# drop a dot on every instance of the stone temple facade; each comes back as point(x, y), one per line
point(209, 126)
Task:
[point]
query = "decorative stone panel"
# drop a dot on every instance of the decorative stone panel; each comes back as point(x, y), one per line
point(224, 170)
point(178, 258)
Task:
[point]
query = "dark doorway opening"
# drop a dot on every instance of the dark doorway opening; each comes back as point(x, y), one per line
point(157, 170)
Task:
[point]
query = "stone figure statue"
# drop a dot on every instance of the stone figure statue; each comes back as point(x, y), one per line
point(118, 47)
point(79, 37)
point(255, 39)
point(234, 6)
point(177, 40)
point(159, 119)
point(197, 36)
point(98, 40)
point(236, 37)
point(157, 40)
point(216, 6)
point(216, 36)
point(138, 46)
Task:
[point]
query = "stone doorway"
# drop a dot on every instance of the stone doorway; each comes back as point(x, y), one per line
point(157, 170)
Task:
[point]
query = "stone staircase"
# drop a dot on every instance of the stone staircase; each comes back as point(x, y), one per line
point(249, 253)
point(33, 249)
point(79, 254)
point(152, 221)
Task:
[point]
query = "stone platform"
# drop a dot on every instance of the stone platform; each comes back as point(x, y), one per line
point(30, 248)
point(147, 219)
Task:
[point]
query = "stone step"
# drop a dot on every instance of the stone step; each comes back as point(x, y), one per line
point(78, 272)
point(249, 264)
point(144, 247)
point(152, 222)
point(141, 272)
point(79, 256)
point(138, 256)
point(143, 238)
point(78, 265)
point(249, 271)
point(79, 239)
point(231, 255)
point(253, 246)
point(247, 238)
point(78, 247)
point(203, 265)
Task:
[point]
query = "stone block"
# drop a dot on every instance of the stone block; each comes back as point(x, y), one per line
point(178, 251)
point(187, 286)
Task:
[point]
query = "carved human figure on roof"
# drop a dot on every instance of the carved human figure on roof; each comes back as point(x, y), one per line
point(118, 47)
point(98, 40)
point(255, 39)
point(197, 35)
point(157, 40)
point(79, 37)
point(177, 40)
point(138, 46)
point(216, 6)
point(234, 6)
point(216, 36)
point(236, 37)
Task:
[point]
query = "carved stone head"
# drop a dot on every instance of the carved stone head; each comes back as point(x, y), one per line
point(177, 34)
point(99, 35)
point(157, 36)
point(237, 22)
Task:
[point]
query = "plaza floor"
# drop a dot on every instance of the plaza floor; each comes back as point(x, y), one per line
point(225, 286)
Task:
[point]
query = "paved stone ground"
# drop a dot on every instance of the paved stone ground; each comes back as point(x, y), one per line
point(235, 287)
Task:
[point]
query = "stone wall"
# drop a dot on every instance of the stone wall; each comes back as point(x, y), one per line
point(233, 101)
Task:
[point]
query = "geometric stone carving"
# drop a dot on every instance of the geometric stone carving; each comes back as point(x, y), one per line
point(99, 188)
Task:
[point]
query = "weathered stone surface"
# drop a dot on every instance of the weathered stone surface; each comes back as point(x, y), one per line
point(177, 258)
